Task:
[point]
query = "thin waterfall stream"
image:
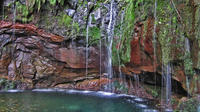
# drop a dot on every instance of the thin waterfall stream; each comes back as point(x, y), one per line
point(110, 32)
point(140, 51)
point(87, 45)
point(166, 87)
point(187, 54)
point(118, 49)
point(154, 38)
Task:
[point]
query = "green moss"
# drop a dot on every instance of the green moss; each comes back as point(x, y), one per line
point(191, 105)
point(64, 19)
point(94, 34)
point(125, 31)
point(188, 65)
point(119, 87)
point(7, 84)
point(155, 92)
point(165, 35)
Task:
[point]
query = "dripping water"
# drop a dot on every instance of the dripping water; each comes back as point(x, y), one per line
point(136, 79)
point(87, 44)
point(166, 86)
point(110, 32)
point(168, 83)
point(187, 45)
point(187, 51)
point(118, 51)
point(154, 40)
point(100, 49)
point(131, 85)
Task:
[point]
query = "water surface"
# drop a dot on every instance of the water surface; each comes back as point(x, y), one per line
point(36, 101)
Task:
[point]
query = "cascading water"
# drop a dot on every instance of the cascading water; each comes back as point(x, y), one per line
point(187, 52)
point(168, 83)
point(87, 45)
point(166, 86)
point(100, 46)
point(110, 32)
point(154, 36)
point(136, 79)
point(118, 51)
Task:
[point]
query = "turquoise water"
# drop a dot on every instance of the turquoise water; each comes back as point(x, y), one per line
point(63, 102)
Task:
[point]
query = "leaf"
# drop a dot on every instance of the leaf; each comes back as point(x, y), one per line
point(39, 5)
point(30, 3)
point(52, 2)
point(43, 1)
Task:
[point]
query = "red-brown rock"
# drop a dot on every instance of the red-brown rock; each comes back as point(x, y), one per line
point(32, 29)
point(75, 57)
point(136, 58)
point(142, 52)
point(4, 24)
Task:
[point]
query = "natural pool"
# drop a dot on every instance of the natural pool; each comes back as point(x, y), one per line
point(69, 101)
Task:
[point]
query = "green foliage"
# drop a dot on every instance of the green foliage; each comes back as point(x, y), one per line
point(188, 64)
point(23, 10)
point(191, 105)
point(135, 10)
point(75, 29)
point(165, 35)
point(120, 87)
point(7, 84)
point(152, 90)
point(94, 35)
point(174, 101)
point(64, 20)
point(52, 2)
point(125, 32)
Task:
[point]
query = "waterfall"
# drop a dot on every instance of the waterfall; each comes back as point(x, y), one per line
point(136, 79)
point(154, 36)
point(187, 51)
point(187, 45)
point(87, 45)
point(118, 51)
point(166, 85)
point(100, 50)
point(110, 32)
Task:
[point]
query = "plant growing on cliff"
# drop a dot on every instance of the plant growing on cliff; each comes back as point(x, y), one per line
point(95, 34)
point(188, 64)
point(165, 35)
point(191, 105)
point(25, 11)
point(65, 20)
point(122, 46)
point(134, 11)
point(7, 84)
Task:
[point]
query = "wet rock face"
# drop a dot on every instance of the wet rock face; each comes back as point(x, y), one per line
point(142, 51)
point(75, 57)
point(40, 59)
point(143, 60)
